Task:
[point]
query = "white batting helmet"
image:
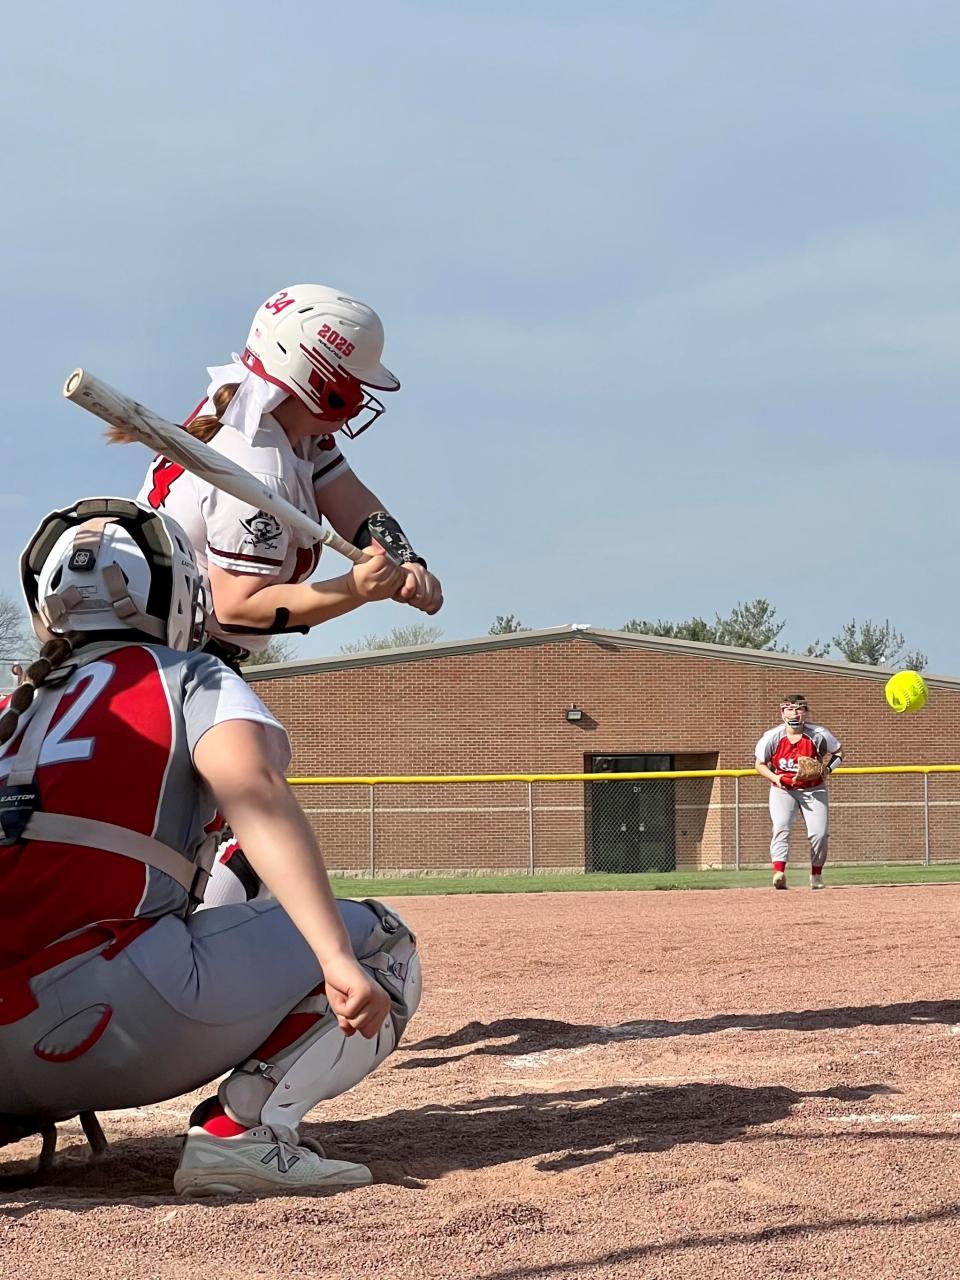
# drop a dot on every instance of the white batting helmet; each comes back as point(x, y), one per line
point(324, 347)
point(109, 563)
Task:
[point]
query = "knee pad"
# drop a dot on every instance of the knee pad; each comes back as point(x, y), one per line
point(391, 954)
point(322, 1062)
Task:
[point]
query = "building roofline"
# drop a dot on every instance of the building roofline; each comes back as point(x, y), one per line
point(582, 632)
point(409, 653)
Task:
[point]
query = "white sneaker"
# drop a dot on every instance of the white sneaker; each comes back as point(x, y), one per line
point(779, 879)
point(816, 882)
point(258, 1161)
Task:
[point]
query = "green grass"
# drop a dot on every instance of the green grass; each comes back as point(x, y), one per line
point(355, 887)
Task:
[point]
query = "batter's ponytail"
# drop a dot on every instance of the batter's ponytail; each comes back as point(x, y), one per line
point(204, 428)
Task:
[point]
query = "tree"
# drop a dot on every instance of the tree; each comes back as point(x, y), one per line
point(278, 649)
point(399, 638)
point(877, 645)
point(752, 625)
point(816, 650)
point(506, 625)
point(693, 629)
point(17, 641)
point(755, 625)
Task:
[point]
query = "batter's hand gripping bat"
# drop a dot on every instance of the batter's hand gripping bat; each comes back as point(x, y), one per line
point(194, 456)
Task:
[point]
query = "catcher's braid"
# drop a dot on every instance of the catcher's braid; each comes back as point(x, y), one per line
point(56, 651)
point(809, 769)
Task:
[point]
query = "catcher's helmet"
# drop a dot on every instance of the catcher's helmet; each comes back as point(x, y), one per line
point(110, 563)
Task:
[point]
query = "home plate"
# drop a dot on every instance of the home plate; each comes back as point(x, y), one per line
point(548, 1056)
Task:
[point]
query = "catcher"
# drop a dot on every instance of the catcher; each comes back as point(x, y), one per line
point(797, 756)
point(114, 992)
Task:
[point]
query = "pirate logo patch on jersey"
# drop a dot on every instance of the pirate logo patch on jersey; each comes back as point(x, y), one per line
point(263, 530)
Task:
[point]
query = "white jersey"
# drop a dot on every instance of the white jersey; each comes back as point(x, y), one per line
point(233, 534)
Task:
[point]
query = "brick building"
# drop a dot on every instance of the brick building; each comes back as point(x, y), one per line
point(576, 699)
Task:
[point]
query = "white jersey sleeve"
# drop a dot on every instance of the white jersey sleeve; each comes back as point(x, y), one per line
point(823, 739)
point(242, 537)
point(768, 744)
point(213, 694)
point(328, 461)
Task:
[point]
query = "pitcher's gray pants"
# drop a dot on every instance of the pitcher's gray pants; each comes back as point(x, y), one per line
point(785, 803)
point(182, 1005)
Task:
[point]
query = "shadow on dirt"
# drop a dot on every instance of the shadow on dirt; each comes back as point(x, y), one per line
point(566, 1130)
point(571, 1128)
point(537, 1035)
point(629, 1257)
point(138, 1169)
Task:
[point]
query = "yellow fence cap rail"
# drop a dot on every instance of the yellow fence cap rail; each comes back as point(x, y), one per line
point(442, 779)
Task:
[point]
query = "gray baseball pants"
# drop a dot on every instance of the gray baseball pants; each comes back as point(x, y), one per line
point(785, 803)
point(184, 1003)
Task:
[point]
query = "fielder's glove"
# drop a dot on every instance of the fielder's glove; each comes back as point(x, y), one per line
point(809, 769)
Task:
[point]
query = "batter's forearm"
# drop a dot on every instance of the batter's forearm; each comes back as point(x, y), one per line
point(306, 603)
point(346, 503)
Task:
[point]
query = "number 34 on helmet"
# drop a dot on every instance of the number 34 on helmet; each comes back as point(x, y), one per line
point(323, 347)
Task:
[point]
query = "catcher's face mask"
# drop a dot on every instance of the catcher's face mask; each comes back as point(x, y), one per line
point(794, 714)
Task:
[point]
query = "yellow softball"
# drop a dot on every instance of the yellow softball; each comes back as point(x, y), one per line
point(906, 692)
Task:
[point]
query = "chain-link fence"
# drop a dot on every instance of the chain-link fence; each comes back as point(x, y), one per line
point(693, 820)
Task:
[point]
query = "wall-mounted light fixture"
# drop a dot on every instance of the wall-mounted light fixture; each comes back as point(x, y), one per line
point(574, 713)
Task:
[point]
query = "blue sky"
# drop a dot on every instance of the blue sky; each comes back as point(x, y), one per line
point(672, 287)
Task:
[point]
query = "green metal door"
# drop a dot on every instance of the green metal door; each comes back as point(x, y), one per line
point(631, 826)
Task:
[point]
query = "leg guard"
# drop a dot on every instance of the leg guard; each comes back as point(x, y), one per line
point(308, 1058)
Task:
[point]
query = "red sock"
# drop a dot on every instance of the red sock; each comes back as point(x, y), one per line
point(779, 866)
point(816, 871)
point(218, 1123)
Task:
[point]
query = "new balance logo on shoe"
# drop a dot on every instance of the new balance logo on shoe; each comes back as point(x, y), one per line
point(284, 1160)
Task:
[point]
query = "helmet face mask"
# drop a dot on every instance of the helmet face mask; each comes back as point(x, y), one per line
point(322, 347)
point(363, 417)
point(109, 565)
point(344, 402)
point(794, 710)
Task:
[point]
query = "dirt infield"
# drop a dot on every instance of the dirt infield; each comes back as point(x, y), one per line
point(735, 1084)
